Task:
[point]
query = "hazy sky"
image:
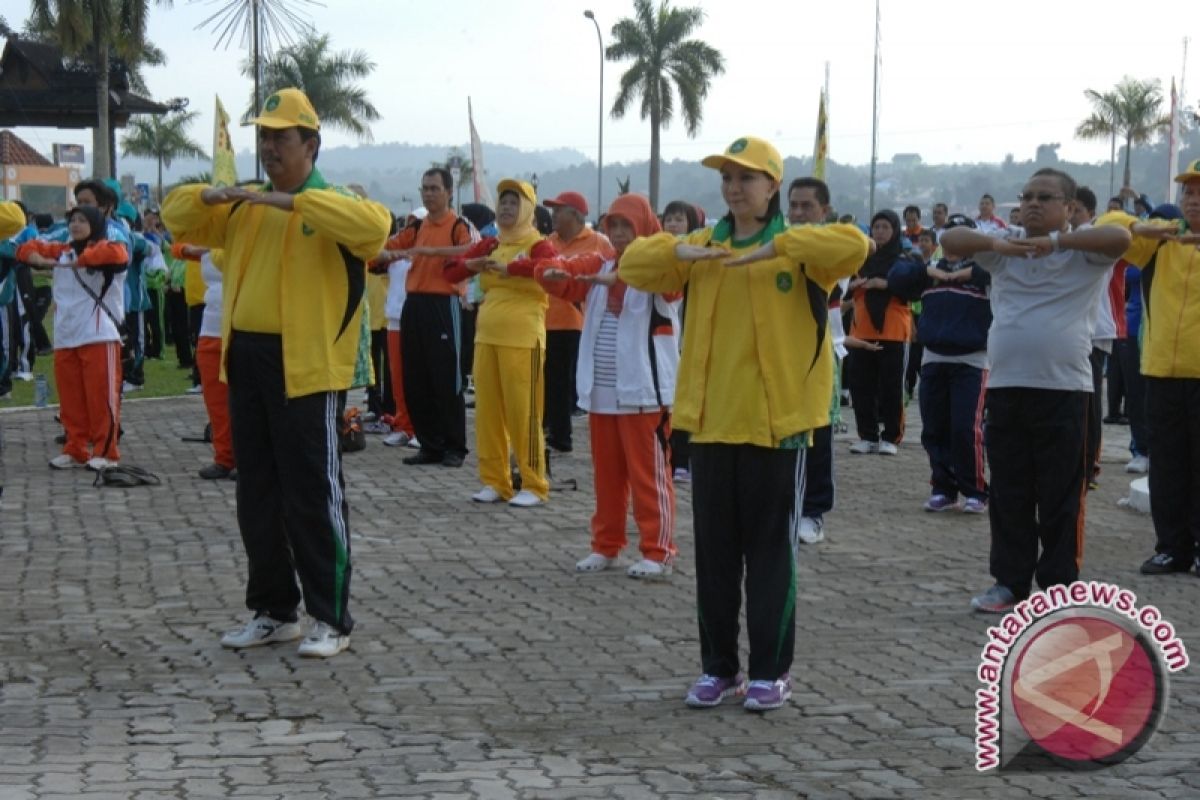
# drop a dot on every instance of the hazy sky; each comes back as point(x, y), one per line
point(960, 82)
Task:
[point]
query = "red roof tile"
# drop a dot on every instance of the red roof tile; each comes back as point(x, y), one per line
point(14, 151)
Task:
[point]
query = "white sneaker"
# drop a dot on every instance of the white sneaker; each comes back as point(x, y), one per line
point(23, 376)
point(526, 499)
point(396, 439)
point(862, 446)
point(127, 387)
point(323, 641)
point(259, 631)
point(64, 461)
point(888, 449)
point(413, 443)
point(486, 495)
point(197, 389)
point(1138, 464)
point(594, 563)
point(98, 463)
point(648, 569)
point(812, 530)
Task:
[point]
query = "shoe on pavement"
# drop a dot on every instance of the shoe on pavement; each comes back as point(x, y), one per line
point(940, 502)
point(215, 472)
point(862, 446)
point(396, 439)
point(197, 389)
point(995, 600)
point(812, 530)
point(526, 499)
point(888, 449)
point(1165, 563)
point(413, 443)
point(682, 475)
point(323, 641)
point(64, 461)
point(766, 695)
point(424, 457)
point(595, 562)
point(376, 426)
point(709, 690)
point(974, 505)
point(647, 569)
point(1139, 465)
point(486, 495)
point(98, 463)
point(259, 631)
point(452, 459)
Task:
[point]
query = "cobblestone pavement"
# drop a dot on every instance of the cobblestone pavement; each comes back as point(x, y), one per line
point(484, 667)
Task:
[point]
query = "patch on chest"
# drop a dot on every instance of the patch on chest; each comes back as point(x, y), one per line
point(783, 281)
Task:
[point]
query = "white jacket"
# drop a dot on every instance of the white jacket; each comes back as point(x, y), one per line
point(210, 322)
point(642, 381)
point(77, 318)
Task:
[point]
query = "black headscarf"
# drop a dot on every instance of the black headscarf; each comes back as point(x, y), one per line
point(878, 264)
point(96, 222)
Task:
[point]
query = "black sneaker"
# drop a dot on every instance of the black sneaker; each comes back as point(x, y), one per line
point(214, 472)
point(424, 457)
point(451, 460)
point(1165, 563)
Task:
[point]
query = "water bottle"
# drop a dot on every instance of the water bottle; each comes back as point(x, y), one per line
point(41, 391)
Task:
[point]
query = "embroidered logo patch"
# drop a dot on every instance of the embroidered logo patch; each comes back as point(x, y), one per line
point(307, 231)
point(272, 103)
point(783, 281)
point(738, 146)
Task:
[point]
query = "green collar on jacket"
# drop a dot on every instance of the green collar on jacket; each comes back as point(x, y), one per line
point(315, 180)
point(723, 231)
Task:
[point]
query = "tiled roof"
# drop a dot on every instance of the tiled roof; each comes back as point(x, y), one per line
point(14, 151)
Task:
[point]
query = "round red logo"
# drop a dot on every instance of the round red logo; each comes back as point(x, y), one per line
point(1085, 688)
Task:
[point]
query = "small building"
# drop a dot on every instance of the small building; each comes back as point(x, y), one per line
point(30, 177)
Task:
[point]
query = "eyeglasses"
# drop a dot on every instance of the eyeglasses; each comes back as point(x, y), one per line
point(431, 189)
point(1041, 197)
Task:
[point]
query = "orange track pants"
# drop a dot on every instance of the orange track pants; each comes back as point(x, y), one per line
point(400, 420)
point(216, 399)
point(89, 396)
point(630, 455)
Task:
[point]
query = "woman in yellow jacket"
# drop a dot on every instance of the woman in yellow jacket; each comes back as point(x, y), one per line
point(755, 377)
point(510, 351)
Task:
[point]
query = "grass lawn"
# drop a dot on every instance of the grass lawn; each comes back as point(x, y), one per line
point(163, 378)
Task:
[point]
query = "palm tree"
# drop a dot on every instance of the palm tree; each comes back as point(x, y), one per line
point(163, 139)
point(1101, 123)
point(326, 78)
point(93, 30)
point(656, 39)
point(1131, 111)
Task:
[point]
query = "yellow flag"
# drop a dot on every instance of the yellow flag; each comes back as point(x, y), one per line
point(821, 144)
point(224, 167)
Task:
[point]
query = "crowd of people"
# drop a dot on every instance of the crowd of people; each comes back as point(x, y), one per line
point(710, 352)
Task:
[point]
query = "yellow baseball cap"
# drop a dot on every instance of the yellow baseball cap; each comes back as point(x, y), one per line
point(287, 108)
point(1192, 173)
point(751, 153)
point(522, 188)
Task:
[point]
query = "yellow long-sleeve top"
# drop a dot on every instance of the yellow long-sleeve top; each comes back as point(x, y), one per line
point(513, 313)
point(12, 219)
point(1171, 279)
point(757, 363)
point(301, 274)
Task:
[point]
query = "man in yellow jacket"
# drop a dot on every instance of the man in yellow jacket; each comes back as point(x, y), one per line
point(1168, 253)
point(294, 279)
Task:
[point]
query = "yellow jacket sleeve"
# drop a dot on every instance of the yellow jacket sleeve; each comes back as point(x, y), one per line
point(360, 225)
point(650, 264)
point(1142, 247)
point(828, 253)
point(191, 220)
point(12, 219)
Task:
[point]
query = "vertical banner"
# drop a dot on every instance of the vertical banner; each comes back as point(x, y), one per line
point(1173, 146)
point(482, 193)
point(821, 142)
point(224, 166)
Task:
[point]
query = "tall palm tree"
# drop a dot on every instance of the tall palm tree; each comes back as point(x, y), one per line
point(1102, 123)
point(163, 139)
point(94, 30)
point(1131, 110)
point(656, 39)
point(326, 78)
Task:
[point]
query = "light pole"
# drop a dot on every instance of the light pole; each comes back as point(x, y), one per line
point(600, 146)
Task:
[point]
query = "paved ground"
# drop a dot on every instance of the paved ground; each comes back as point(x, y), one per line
point(483, 667)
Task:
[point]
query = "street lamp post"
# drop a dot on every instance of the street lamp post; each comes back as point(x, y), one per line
point(600, 146)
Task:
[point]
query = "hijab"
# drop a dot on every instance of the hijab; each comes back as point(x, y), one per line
point(97, 223)
point(878, 264)
point(634, 209)
point(523, 229)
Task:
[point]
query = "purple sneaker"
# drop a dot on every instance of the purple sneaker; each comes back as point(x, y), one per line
point(709, 690)
point(940, 502)
point(974, 505)
point(766, 695)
